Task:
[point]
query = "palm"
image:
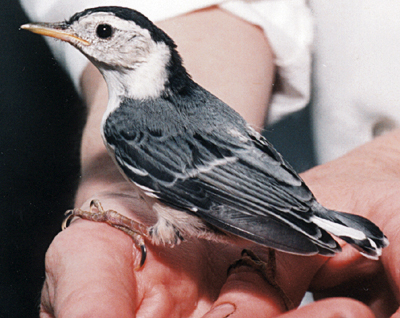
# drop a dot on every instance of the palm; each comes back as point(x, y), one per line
point(93, 269)
point(359, 183)
point(90, 268)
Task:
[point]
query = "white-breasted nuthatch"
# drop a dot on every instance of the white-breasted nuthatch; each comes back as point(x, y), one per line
point(202, 169)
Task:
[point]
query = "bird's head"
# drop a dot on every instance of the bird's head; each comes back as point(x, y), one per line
point(136, 58)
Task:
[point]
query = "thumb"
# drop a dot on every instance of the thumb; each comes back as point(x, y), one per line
point(246, 294)
point(89, 274)
point(332, 308)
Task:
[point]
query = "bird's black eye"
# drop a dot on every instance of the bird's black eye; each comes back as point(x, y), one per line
point(104, 31)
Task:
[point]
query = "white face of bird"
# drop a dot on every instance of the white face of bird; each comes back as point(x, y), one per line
point(113, 41)
point(102, 37)
point(122, 50)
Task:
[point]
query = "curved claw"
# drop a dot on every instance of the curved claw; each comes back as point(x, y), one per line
point(139, 243)
point(143, 251)
point(68, 217)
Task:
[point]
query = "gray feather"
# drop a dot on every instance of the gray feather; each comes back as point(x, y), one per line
point(211, 162)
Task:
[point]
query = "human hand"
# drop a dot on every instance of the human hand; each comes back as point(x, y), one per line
point(90, 272)
point(90, 266)
point(364, 182)
point(90, 269)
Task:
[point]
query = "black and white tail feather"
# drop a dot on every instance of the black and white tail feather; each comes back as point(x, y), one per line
point(188, 151)
point(357, 231)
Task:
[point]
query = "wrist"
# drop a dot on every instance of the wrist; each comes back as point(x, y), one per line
point(359, 181)
point(94, 90)
point(98, 172)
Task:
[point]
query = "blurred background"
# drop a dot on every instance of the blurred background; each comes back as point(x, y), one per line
point(40, 121)
point(41, 118)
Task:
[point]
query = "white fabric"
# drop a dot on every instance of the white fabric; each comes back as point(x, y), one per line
point(356, 95)
point(287, 24)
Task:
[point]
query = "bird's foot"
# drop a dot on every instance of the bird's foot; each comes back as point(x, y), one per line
point(266, 269)
point(135, 230)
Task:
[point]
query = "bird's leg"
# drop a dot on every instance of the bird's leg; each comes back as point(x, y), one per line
point(266, 269)
point(97, 214)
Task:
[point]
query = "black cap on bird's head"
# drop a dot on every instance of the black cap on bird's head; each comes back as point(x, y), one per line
point(127, 14)
point(117, 39)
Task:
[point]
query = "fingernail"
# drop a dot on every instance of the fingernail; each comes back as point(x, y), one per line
point(221, 311)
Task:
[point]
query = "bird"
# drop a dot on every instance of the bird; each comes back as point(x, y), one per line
point(200, 167)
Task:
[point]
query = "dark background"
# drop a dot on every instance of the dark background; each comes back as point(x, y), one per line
point(40, 119)
point(40, 123)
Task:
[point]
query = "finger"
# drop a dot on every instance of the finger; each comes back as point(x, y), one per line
point(332, 308)
point(46, 310)
point(89, 273)
point(391, 260)
point(351, 275)
point(246, 294)
point(251, 293)
point(343, 267)
point(396, 314)
point(169, 289)
point(373, 292)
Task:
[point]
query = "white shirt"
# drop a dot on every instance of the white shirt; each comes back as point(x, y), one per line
point(287, 24)
point(356, 93)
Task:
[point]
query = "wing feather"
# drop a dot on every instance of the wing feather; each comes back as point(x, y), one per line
point(233, 178)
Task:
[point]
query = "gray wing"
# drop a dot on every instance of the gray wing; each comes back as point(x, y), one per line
point(227, 174)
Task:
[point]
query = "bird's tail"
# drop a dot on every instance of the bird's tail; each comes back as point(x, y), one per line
point(361, 233)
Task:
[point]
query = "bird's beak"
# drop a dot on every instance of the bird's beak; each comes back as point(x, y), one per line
point(54, 30)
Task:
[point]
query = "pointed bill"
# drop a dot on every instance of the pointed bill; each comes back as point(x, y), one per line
point(54, 30)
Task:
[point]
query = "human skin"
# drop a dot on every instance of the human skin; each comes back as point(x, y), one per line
point(365, 181)
point(90, 266)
